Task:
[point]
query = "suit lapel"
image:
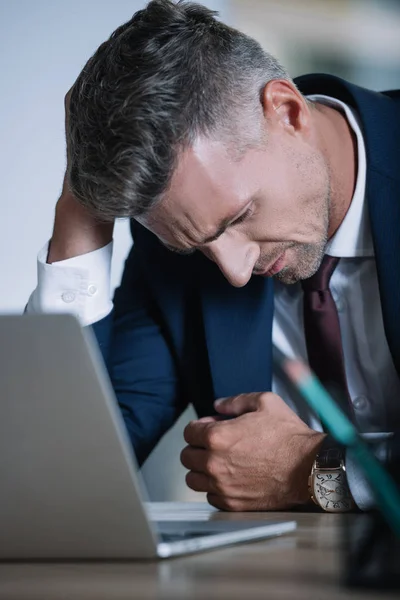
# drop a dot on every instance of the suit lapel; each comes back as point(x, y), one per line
point(380, 115)
point(237, 321)
point(385, 224)
point(238, 331)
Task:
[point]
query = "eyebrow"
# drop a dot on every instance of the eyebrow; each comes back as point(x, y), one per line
point(222, 227)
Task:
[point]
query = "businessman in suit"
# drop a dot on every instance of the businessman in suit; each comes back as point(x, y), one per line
point(245, 190)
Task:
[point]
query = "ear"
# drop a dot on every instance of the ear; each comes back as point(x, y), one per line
point(285, 107)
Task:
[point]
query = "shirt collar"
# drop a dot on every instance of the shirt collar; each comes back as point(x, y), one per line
point(353, 238)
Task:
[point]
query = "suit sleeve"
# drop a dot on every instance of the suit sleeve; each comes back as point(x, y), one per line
point(140, 361)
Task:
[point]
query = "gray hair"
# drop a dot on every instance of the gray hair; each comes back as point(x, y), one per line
point(172, 73)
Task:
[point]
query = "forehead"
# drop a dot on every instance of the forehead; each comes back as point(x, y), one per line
point(207, 185)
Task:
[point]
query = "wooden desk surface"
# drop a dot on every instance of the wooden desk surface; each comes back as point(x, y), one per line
point(301, 566)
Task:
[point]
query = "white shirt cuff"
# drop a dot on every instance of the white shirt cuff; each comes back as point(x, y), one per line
point(79, 285)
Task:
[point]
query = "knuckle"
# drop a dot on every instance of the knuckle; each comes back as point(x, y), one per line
point(274, 397)
point(264, 397)
point(231, 504)
point(212, 436)
point(268, 399)
point(211, 467)
point(218, 487)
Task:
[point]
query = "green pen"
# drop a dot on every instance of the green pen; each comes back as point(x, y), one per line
point(385, 490)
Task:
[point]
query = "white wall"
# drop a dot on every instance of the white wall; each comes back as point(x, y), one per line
point(43, 46)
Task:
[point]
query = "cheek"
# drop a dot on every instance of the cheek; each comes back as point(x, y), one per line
point(283, 187)
point(280, 213)
point(294, 204)
point(288, 219)
point(295, 174)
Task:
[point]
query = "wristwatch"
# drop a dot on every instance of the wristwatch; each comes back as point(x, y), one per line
point(327, 483)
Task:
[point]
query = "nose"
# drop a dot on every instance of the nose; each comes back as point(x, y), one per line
point(235, 258)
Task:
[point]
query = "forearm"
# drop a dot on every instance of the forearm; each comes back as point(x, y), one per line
point(76, 232)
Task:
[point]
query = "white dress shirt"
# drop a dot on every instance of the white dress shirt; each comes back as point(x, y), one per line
point(82, 285)
point(373, 383)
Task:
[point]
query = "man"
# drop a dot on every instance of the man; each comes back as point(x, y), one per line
point(240, 184)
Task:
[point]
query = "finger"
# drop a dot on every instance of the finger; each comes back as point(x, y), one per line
point(238, 405)
point(211, 419)
point(199, 482)
point(195, 459)
point(224, 502)
point(198, 433)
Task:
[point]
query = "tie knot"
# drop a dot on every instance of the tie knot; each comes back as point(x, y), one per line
point(320, 280)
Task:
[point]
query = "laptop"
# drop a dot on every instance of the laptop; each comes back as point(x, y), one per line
point(70, 487)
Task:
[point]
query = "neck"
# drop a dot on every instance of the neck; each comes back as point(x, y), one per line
point(339, 145)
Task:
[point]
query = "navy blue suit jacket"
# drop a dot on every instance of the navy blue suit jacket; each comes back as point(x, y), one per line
point(180, 333)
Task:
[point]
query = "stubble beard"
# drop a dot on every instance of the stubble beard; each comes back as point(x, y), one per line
point(308, 257)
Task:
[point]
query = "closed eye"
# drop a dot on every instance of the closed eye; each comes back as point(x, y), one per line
point(244, 216)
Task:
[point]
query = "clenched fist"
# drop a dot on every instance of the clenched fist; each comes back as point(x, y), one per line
point(260, 459)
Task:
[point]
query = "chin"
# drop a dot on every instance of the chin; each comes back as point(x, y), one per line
point(303, 263)
point(287, 276)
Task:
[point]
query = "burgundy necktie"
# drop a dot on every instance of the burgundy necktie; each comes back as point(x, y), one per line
point(322, 333)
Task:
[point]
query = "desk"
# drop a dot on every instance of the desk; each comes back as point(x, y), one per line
point(304, 565)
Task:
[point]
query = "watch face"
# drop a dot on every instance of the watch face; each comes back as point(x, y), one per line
point(331, 491)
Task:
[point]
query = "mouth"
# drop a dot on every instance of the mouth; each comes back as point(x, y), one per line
point(274, 268)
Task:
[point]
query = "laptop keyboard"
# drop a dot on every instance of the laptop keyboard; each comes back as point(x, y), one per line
point(174, 531)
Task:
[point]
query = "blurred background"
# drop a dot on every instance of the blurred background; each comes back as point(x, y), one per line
point(44, 45)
